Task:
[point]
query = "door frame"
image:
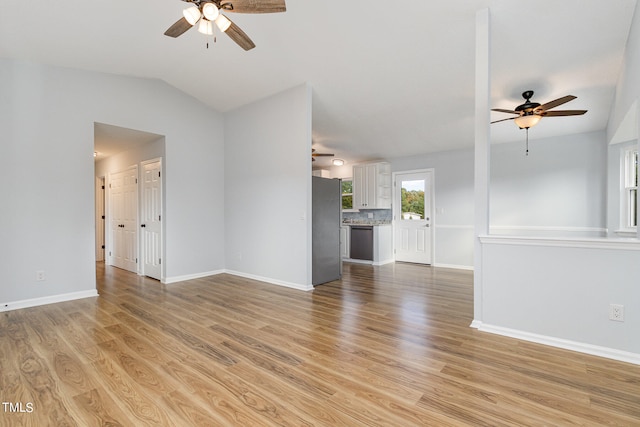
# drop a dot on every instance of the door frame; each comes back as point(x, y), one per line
point(431, 195)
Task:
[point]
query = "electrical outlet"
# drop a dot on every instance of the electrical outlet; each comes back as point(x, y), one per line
point(616, 312)
point(40, 275)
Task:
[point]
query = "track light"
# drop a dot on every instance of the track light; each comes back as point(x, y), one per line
point(192, 14)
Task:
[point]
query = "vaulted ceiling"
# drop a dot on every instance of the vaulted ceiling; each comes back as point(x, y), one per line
point(389, 79)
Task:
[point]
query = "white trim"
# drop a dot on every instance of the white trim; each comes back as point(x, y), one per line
point(595, 350)
point(271, 281)
point(455, 266)
point(618, 244)
point(629, 232)
point(545, 228)
point(26, 303)
point(169, 280)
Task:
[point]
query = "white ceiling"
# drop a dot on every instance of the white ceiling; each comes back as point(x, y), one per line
point(387, 81)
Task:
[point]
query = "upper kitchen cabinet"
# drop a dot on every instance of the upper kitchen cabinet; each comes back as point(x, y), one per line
point(372, 186)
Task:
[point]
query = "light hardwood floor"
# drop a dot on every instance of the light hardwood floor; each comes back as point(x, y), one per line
point(385, 346)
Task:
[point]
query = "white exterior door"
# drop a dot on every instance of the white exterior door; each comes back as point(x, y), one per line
point(412, 214)
point(150, 219)
point(123, 219)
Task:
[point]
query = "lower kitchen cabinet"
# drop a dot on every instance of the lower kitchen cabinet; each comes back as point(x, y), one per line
point(382, 245)
point(345, 234)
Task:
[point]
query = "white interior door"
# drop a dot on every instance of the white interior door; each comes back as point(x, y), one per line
point(412, 214)
point(150, 220)
point(123, 219)
point(100, 218)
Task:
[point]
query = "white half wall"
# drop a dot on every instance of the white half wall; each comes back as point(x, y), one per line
point(561, 289)
point(47, 173)
point(268, 189)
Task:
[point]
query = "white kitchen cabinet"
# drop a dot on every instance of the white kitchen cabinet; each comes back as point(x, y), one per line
point(372, 186)
point(345, 235)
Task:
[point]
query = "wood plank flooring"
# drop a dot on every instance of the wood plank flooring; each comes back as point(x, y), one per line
point(384, 346)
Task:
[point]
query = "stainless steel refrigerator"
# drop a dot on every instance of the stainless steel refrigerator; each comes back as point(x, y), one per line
point(326, 206)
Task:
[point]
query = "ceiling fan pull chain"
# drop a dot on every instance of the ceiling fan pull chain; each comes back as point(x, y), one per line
point(527, 153)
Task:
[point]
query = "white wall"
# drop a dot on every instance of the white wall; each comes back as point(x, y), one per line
point(628, 87)
point(47, 171)
point(268, 189)
point(559, 189)
point(121, 161)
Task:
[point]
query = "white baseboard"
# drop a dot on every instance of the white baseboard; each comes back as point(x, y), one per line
point(26, 303)
point(595, 350)
point(174, 279)
point(455, 266)
point(383, 262)
point(271, 281)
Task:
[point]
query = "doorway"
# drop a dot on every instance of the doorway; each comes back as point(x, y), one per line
point(413, 216)
point(130, 163)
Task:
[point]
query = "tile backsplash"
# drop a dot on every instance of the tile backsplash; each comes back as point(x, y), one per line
point(379, 216)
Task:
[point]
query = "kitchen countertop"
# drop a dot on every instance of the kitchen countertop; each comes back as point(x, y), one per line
point(371, 223)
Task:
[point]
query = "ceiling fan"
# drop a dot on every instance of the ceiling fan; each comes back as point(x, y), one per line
point(207, 12)
point(314, 155)
point(530, 113)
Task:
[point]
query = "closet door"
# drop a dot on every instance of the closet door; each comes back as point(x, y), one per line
point(123, 219)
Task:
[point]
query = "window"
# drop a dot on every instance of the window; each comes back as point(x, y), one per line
point(347, 194)
point(630, 190)
point(412, 199)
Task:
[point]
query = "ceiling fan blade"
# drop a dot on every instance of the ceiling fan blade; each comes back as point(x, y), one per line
point(253, 6)
point(239, 36)
point(556, 102)
point(563, 113)
point(500, 110)
point(503, 120)
point(178, 28)
point(321, 154)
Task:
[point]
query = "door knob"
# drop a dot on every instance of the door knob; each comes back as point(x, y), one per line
point(143, 225)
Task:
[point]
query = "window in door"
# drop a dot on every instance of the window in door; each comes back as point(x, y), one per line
point(412, 200)
point(630, 189)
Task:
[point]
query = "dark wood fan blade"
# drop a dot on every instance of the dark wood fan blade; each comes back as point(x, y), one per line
point(563, 113)
point(321, 154)
point(178, 28)
point(503, 120)
point(500, 110)
point(239, 36)
point(555, 103)
point(254, 6)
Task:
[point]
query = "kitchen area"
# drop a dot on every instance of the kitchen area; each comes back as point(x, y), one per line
point(366, 233)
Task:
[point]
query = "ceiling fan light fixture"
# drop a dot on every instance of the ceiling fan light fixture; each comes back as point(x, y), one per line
point(205, 27)
point(337, 162)
point(210, 11)
point(192, 14)
point(527, 121)
point(223, 22)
